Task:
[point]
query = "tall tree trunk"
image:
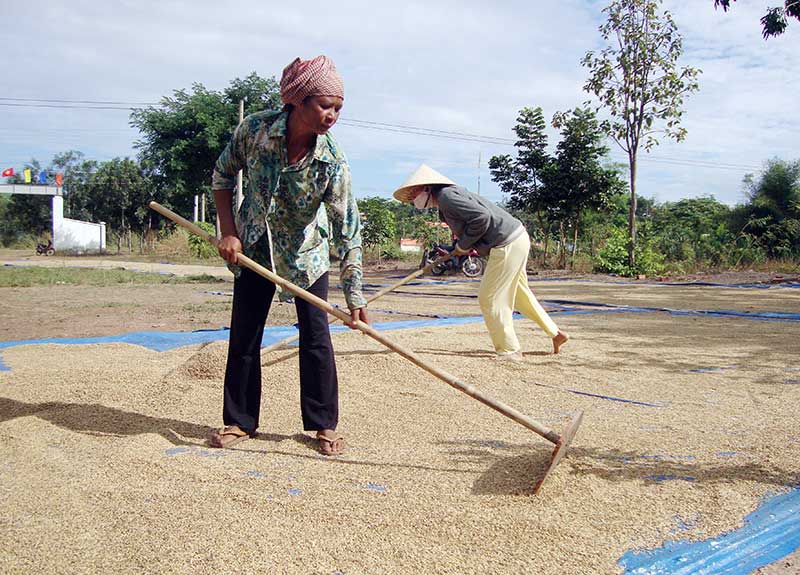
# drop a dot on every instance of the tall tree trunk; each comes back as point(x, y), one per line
point(562, 252)
point(574, 242)
point(540, 219)
point(546, 247)
point(632, 214)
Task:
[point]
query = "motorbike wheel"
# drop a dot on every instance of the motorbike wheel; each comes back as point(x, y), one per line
point(473, 267)
point(436, 270)
point(50, 252)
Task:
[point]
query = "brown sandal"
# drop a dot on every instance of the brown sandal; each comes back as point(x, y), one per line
point(228, 436)
point(330, 445)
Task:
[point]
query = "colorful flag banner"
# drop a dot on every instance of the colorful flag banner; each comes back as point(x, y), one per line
point(59, 179)
point(42, 177)
point(8, 173)
point(27, 174)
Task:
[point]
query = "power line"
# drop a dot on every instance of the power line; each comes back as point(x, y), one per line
point(421, 132)
point(431, 131)
point(96, 105)
point(352, 121)
point(355, 123)
point(62, 106)
point(695, 163)
point(67, 130)
point(78, 101)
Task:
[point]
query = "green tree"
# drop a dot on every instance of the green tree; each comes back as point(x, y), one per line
point(404, 215)
point(118, 193)
point(184, 135)
point(76, 171)
point(525, 177)
point(378, 220)
point(692, 230)
point(256, 92)
point(6, 234)
point(637, 80)
point(775, 21)
point(772, 214)
point(201, 248)
point(579, 180)
point(612, 257)
point(428, 230)
point(26, 214)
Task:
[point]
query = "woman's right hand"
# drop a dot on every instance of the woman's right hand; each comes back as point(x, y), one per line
point(229, 248)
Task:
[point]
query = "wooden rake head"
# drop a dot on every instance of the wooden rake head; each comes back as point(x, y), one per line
point(561, 448)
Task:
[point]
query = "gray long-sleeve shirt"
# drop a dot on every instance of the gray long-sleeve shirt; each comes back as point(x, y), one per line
point(476, 221)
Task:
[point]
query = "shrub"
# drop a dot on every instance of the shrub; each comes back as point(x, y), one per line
point(391, 251)
point(745, 251)
point(613, 257)
point(582, 263)
point(199, 246)
point(23, 241)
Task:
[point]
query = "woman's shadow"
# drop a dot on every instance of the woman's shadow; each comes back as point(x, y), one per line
point(96, 419)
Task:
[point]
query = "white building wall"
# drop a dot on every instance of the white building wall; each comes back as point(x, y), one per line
point(74, 234)
point(410, 245)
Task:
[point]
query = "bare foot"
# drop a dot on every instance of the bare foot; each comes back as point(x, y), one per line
point(513, 356)
point(560, 339)
point(329, 442)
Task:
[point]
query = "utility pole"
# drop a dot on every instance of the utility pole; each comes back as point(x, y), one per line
point(479, 172)
point(239, 196)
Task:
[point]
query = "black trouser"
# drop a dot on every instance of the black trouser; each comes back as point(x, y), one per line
point(319, 386)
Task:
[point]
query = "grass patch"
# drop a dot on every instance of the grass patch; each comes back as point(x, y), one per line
point(208, 307)
point(28, 277)
point(115, 304)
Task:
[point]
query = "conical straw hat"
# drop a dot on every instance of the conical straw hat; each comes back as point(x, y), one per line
point(423, 176)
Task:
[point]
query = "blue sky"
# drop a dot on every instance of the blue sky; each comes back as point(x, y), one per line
point(465, 67)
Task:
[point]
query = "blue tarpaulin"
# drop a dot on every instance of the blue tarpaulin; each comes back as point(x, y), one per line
point(769, 533)
point(161, 341)
point(164, 340)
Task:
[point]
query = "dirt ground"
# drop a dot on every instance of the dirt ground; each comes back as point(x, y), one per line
point(104, 467)
point(83, 311)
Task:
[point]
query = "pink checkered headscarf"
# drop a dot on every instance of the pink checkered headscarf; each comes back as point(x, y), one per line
point(303, 78)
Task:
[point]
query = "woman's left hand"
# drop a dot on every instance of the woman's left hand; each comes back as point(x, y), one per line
point(359, 314)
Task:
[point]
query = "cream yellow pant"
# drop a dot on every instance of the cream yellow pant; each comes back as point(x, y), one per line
point(503, 289)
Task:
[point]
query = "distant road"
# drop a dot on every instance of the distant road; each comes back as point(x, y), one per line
point(219, 271)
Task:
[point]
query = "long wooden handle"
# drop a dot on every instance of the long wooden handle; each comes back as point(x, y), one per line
point(438, 261)
point(451, 380)
point(381, 293)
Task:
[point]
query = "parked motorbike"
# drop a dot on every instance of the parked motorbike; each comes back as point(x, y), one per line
point(45, 249)
point(471, 264)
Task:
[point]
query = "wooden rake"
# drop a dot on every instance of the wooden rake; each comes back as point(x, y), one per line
point(561, 442)
point(379, 294)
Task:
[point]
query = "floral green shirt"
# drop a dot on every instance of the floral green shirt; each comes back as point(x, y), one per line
point(283, 222)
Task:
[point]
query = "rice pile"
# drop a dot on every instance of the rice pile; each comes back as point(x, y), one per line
point(104, 467)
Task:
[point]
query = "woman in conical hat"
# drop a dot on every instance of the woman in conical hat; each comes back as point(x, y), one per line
point(481, 225)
